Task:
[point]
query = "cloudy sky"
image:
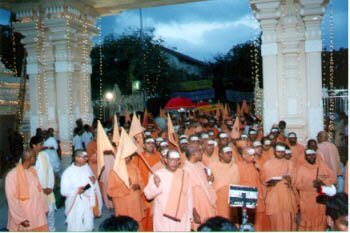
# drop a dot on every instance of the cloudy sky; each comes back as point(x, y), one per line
point(205, 29)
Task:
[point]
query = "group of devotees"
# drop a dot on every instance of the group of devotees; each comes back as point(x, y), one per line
point(179, 179)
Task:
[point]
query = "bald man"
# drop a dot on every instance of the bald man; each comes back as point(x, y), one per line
point(204, 196)
point(26, 201)
point(329, 152)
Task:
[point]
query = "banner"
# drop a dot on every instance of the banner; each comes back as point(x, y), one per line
point(239, 96)
point(197, 95)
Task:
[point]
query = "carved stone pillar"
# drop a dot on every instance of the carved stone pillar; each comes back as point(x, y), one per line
point(31, 28)
point(311, 13)
point(57, 39)
point(290, 64)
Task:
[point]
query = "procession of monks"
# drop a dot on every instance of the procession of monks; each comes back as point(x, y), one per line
point(175, 179)
point(216, 150)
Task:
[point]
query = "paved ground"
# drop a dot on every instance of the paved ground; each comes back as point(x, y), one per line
point(59, 214)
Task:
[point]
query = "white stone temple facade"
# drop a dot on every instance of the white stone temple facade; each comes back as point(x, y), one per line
point(57, 37)
point(292, 72)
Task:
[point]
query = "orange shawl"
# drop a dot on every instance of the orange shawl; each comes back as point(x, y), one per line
point(176, 204)
point(22, 189)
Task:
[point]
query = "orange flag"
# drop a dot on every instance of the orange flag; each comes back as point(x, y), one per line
point(145, 118)
point(126, 148)
point(217, 113)
point(225, 112)
point(103, 144)
point(127, 116)
point(171, 133)
point(235, 129)
point(116, 136)
point(238, 110)
point(245, 108)
point(135, 127)
point(162, 113)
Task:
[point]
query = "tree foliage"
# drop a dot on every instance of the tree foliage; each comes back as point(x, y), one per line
point(11, 49)
point(237, 67)
point(340, 58)
point(127, 58)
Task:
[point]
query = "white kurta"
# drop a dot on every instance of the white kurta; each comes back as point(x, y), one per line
point(86, 138)
point(79, 207)
point(160, 195)
point(77, 142)
point(53, 156)
point(47, 180)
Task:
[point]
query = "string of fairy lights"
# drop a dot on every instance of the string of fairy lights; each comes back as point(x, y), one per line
point(41, 36)
point(39, 75)
point(69, 73)
point(14, 65)
point(85, 60)
point(255, 64)
point(100, 67)
point(331, 74)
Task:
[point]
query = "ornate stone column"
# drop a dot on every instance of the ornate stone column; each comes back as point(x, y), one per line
point(57, 39)
point(311, 13)
point(30, 27)
point(288, 66)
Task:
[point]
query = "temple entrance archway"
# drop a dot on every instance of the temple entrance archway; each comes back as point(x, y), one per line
point(57, 38)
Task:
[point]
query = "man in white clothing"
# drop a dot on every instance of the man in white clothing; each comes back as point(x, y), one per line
point(46, 178)
point(87, 136)
point(79, 186)
point(51, 146)
point(77, 142)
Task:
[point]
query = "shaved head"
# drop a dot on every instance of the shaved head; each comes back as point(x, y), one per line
point(322, 136)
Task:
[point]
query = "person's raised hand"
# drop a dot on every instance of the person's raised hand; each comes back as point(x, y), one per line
point(156, 180)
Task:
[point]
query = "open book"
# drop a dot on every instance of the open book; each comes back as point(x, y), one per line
point(274, 178)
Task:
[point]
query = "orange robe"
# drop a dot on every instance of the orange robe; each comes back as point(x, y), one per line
point(330, 156)
point(281, 138)
point(204, 196)
point(298, 156)
point(249, 176)
point(147, 222)
point(266, 155)
point(91, 151)
point(157, 166)
point(224, 175)
point(236, 156)
point(280, 200)
point(127, 201)
point(33, 209)
point(189, 131)
point(313, 214)
point(206, 159)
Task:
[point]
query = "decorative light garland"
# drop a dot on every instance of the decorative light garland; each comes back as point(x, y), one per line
point(38, 76)
point(14, 64)
point(14, 52)
point(100, 67)
point(44, 72)
point(158, 76)
point(331, 75)
point(258, 93)
point(69, 74)
point(85, 60)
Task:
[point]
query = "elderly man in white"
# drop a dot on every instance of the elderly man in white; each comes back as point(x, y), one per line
point(79, 186)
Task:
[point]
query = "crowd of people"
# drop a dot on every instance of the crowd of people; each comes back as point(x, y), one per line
point(179, 177)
